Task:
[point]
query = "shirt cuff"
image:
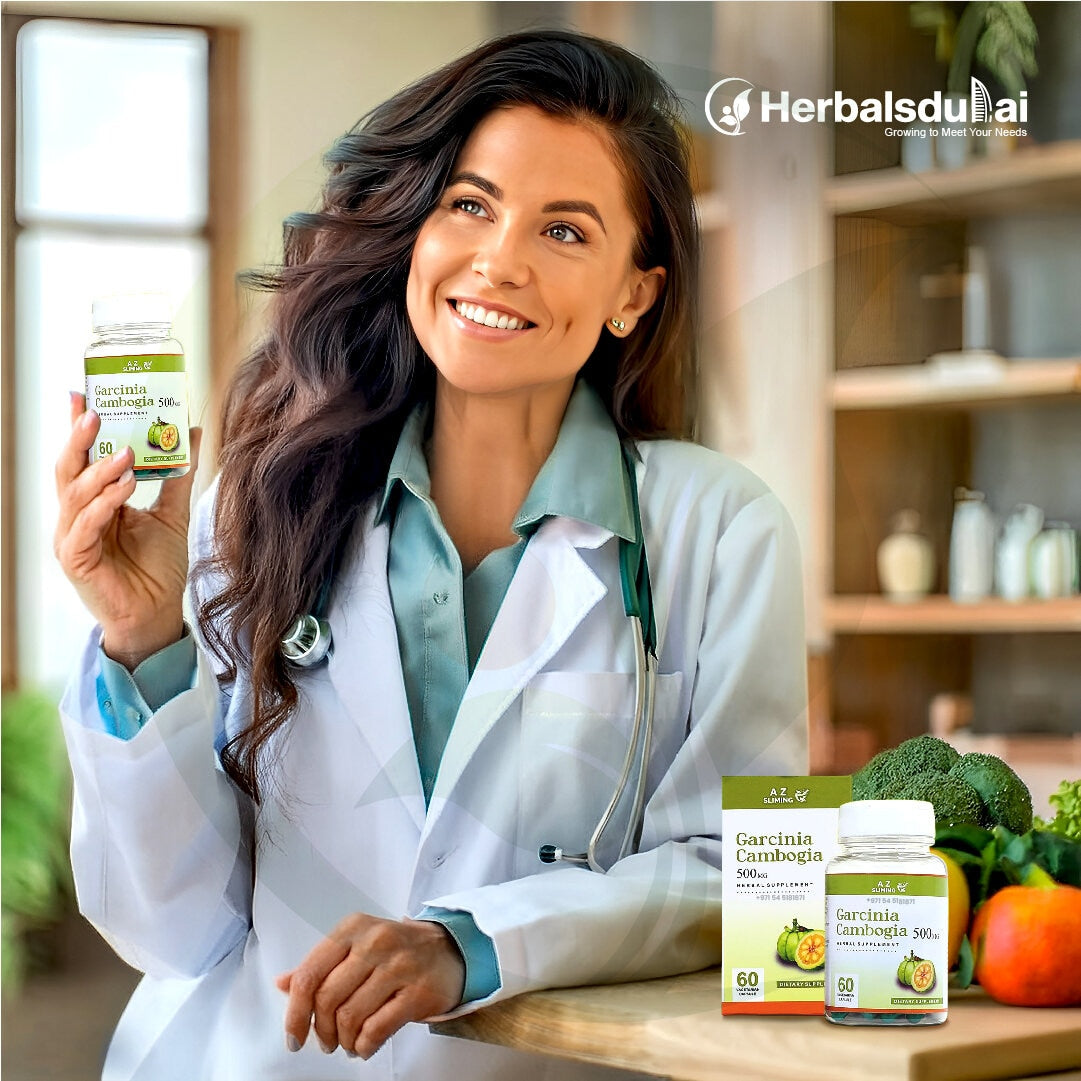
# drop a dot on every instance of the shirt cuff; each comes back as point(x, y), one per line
point(127, 699)
point(478, 951)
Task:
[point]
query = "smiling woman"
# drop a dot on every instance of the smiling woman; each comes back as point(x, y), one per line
point(455, 447)
point(494, 245)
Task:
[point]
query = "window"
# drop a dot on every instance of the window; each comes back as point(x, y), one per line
point(112, 184)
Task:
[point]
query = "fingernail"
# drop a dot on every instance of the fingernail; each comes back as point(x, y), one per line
point(326, 1048)
point(126, 477)
point(87, 418)
point(351, 1054)
point(292, 1042)
point(117, 455)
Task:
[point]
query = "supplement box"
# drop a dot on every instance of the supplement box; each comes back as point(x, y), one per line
point(779, 833)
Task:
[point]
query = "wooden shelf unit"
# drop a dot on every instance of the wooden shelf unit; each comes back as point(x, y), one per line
point(923, 385)
point(907, 430)
point(874, 614)
point(1048, 176)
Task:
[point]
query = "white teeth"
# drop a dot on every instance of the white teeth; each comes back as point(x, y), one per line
point(477, 314)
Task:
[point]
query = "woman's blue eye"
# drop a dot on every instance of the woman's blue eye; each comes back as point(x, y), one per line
point(565, 234)
point(470, 206)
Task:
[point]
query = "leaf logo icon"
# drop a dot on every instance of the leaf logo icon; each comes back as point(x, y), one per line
point(741, 106)
point(728, 119)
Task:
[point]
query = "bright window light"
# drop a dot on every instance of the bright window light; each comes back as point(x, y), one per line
point(113, 124)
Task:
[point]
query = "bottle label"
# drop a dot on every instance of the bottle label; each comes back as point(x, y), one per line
point(143, 404)
point(886, 948)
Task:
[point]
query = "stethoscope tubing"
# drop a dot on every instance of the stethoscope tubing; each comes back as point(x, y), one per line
point(643, 718)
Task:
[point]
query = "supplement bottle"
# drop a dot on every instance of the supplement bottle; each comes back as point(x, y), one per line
point(136, 383)
point(887, 915)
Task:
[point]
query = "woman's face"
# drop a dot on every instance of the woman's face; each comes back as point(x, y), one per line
point(534, 235)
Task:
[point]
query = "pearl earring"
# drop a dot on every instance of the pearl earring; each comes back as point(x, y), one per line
point(619, 324)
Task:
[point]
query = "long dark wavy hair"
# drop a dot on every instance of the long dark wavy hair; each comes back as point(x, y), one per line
point(313, 415)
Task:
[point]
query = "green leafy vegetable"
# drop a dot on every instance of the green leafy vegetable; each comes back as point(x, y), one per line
point(1067, 804)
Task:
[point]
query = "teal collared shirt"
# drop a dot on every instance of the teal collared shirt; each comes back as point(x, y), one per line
point(444, 616)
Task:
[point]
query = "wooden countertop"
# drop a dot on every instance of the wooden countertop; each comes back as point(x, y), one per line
point(673, 1028)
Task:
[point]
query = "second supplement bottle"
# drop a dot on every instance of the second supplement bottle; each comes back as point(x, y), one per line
point(887, 914)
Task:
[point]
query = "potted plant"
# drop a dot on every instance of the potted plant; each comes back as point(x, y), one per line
point(35, 874)
point(1000, 38)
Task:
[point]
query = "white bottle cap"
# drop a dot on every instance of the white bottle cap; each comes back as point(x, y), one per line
point(913, 818)
point(125, 308)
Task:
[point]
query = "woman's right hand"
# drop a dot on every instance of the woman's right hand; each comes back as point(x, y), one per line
point(128, 566)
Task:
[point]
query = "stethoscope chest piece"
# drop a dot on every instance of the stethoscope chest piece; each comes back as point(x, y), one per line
point(307, 642)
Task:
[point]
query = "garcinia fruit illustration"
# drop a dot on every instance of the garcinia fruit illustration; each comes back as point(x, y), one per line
point(789, 939)
point(802, 945)
point(166, 436)
point(923, 978)
point(916, 972)
point(810, 951)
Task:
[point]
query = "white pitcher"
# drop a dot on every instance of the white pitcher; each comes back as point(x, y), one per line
point(1011, 555)
point(1053, 560)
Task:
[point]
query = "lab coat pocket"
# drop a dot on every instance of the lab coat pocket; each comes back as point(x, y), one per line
point(576, 727)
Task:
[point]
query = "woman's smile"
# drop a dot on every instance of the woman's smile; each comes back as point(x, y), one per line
point(490, 317)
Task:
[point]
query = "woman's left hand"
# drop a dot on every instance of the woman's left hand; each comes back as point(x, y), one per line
point(367, 979)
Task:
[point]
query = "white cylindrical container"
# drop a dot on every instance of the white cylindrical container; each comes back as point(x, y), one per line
point(887, 917)
point(136, 382)
point(972, 547)
point(975, 303)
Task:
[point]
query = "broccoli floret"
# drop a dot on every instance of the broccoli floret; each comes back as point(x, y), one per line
point(1004, 794)
point(928, 753)
point(955, 801)
point(873, 780)
point(892, 768)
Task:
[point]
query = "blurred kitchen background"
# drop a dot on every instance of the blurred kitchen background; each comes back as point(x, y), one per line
point(891, 337)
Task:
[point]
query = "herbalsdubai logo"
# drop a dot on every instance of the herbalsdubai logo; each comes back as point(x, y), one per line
point(939, 108)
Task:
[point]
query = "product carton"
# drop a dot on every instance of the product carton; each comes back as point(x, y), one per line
point(778, 835)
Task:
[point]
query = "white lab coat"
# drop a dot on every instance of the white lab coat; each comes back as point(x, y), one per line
point(163, 845)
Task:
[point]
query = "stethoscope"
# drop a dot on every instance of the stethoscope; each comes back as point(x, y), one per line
point(309, 640)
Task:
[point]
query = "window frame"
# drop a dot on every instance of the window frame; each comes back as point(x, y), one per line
point(220, 233)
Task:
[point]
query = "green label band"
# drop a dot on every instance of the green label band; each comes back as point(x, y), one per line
point(139, 365)
point(784, 793)
point(886, 885)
